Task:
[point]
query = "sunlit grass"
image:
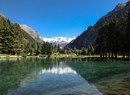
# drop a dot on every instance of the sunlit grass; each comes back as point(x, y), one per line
point(72, 56)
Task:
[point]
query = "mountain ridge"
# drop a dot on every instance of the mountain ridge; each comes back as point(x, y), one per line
point(62, 41)
point(89, 36)
point(33, 33)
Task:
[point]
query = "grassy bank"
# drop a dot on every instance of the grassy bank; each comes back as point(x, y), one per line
point(55, 55)
point(72, 56)
point(7, 55)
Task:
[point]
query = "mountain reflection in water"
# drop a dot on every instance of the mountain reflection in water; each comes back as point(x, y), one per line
point(59, 79)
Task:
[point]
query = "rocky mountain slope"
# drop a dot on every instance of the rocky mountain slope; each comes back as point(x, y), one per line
point(34, 34)
point(89, 36)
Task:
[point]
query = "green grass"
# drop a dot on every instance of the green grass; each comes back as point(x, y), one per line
point(56, 55)
point(4, 54)
point(9, 56)
point(32, 56)
point(72, 56)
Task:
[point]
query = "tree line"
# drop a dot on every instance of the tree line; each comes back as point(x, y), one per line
point(15, 41)
point(114, 38)
point(48, 49)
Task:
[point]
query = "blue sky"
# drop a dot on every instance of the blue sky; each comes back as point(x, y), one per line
point(51, 18)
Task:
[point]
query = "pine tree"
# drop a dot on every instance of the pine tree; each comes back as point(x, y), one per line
point(46, 48)
point(128, 34)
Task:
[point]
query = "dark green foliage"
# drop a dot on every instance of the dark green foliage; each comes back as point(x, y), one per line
point(13, 40)
point(84, 51)
point(127, 37)
point(90, 49)
point(47, 48)
point(114, 38)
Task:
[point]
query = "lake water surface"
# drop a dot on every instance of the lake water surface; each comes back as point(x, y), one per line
point(64, 77)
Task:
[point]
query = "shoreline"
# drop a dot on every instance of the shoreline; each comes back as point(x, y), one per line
point(53, 56)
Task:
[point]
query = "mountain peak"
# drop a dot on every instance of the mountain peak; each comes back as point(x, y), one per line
point(89, 36)
point(120, 6)
point(62, 41)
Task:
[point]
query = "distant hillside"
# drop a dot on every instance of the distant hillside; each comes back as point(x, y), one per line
point(89, 36)
point(34, 34)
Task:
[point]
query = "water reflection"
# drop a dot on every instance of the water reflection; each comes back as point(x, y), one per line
point(64, 77)
point(59, 79)
point(58, 69)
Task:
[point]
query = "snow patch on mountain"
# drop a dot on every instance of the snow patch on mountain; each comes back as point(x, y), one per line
point(62, 41)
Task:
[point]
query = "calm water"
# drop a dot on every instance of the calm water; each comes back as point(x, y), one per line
point(64, 77)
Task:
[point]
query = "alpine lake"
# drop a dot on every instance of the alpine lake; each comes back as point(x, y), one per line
point(37, 76)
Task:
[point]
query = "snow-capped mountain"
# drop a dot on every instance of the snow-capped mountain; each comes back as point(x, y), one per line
point(62, 41)
point(33, 33)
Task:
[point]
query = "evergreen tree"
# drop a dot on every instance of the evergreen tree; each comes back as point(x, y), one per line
point(127, 44)
point(46, 48)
